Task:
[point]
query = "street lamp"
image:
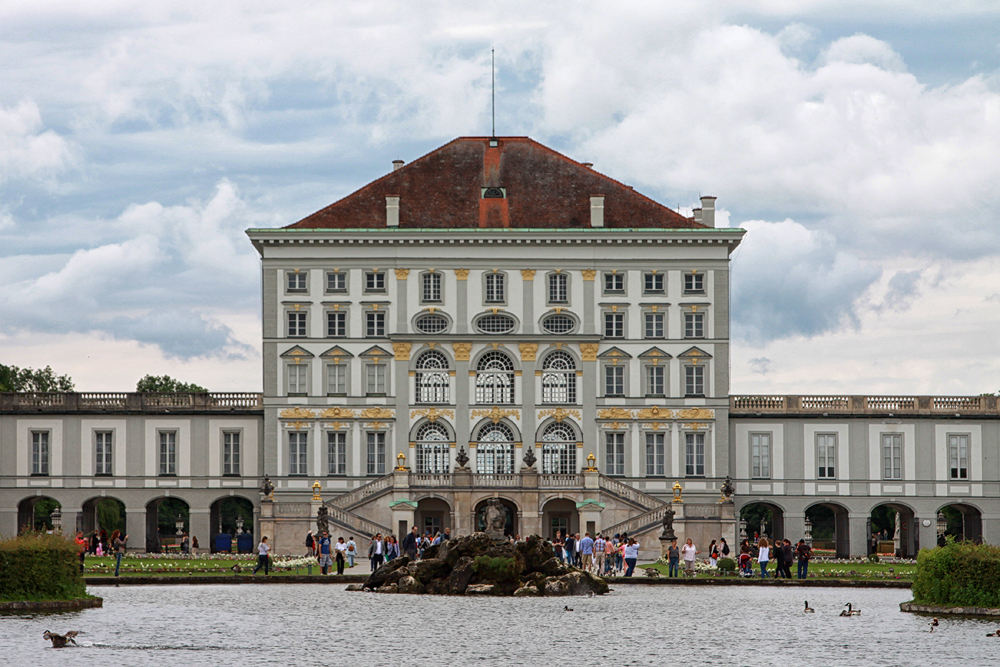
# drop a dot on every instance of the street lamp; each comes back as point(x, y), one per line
point(808, 530)
point(179, 523)
point(239, 525)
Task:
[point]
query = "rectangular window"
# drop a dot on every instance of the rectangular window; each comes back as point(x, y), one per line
point(694, 380)
point(39, 452)
point(694, 454)
point(614, 380)
point(296, 324)
point(375, 324)
point(336, 453)
point(694, 325)
point(654, 325)
point(655, 454)
point(614, 325)
point(102, 446)
point(376, 453)
point(614, 283)
point(826, 456)
point(375, 379)
point(655, 381)
point(336, 380)
point(375, 281)
point(168, 452)
point(336, 281)
point(652, 283)
point(296, 281)
point(558, 288)
point(760, 455)
point(432, 287)
point(615, 453)
point(231, 453)
point(958, 456)
point(298, 445)
point(298, 379)
point(336, 324)
point(495, 287)
point(892, 456)
point(694, 283)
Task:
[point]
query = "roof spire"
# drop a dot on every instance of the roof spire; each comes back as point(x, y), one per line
point(493, 89)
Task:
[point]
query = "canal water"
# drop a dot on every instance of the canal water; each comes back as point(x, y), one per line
point(318, 625)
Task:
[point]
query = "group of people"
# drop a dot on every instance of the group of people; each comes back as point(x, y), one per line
point(384, 549)
point(98, 544)
point(782, 552)
point(603, 555)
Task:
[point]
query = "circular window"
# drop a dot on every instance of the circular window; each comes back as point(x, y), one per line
point(431, 324)
point(558, 324)
point(496, 324)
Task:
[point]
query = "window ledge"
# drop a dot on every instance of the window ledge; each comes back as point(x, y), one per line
point(167, 474)
point(104, 474)
point(39, 474)
point(231, 474)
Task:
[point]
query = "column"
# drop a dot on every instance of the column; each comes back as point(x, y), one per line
point(135, 528)
point(199, 524)
point(858, 534)
point(529, 352)
point(462, 304)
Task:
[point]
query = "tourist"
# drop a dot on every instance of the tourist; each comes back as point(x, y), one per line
point(570, 546)
point(713, 554)
point(557, 547)
point(376, 552)
point(447, 535)
point(410, 542)
point(804, 552)
point(185, 544)
point(787, 553)
point(631, 556)
point(310, 545)
point(745, 567)
point(609, 557)
point(762, 556)
point(586, 552)
point(599, 545)
point(352, 551)
point(437, 540)
point(620, 557)
point(341, 548)
point(673, 557)
point(391, 548)
point(194, 546)
point(577, 556)
point(263, 560)
point(325, 561)
point(778, 558)
point(689, 552)
point(118, 544)
point(725, 548)
point(81, 547)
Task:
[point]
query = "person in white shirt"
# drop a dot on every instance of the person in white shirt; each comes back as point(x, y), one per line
point(631, 556)
point(341, 548)
point(263, 560)
point(352, 551)
point(688, 554)
point(763, 556)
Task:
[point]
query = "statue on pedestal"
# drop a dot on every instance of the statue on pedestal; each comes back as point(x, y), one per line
point(322, 519)
point(462, 459)
point(267, 488)
point(668, 533)
point(495, 519)
point(727, 490)
point(529, 457)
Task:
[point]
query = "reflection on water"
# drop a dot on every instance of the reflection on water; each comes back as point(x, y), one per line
point(635, 625)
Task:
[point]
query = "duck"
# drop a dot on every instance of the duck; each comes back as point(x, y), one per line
point(59, 641)
point(850, 611)
point(934, 624)
point(808, 609)
point(566, 608)
point(994, 634)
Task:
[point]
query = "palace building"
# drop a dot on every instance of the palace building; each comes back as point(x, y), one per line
point(497, 320)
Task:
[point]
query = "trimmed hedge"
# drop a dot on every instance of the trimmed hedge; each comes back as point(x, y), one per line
point(40, 567)
point(958, 574)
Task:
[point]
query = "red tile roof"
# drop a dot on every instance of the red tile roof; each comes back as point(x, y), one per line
point(544, 190)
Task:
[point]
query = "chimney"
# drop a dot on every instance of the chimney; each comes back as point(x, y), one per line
point(708, 211)
point(588, 165)
point(392, 210)
point(596, 210)
point(397, 165)
point(697, 215)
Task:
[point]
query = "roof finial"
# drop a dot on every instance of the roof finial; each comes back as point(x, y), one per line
point(493, 89)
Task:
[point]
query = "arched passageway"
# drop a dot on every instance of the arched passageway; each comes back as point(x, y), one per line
point(167, 519)
point(230, 517)
point(36, 514)
point(560, 515)
point(830, 529)
point(104, 515)
point(433, 515)
point(892, 531)
point(961, 521)
point(759, 519)
point(511, 509)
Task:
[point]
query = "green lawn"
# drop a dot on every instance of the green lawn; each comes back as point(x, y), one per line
point(820, 570)
point(172, 566)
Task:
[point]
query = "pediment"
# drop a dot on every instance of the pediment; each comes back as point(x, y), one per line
point(297, 351)
point(655, 353)
point(375, 352)
point(695, 353)
point(614, 353)
point(337, 352)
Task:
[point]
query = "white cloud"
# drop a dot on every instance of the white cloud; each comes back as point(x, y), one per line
point(26, 149)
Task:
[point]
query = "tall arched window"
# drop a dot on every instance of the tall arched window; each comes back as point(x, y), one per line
point(559, 378)
point(433, 449)
point(558, 450)
point(432, 378)
point(495, 378)
point(495, 450)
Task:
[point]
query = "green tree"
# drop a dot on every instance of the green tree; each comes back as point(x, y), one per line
point(109, 515)
point(164, 384)
point(13, 378)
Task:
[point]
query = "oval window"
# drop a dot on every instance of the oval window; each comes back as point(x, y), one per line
point(431, 324)
point(558, 324)
point(496, 324)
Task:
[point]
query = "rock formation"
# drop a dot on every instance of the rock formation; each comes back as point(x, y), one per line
point(477, 565)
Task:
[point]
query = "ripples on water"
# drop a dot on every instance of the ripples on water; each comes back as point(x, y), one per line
point(636, 625)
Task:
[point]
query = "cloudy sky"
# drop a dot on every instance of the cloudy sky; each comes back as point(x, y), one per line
point(858, 142)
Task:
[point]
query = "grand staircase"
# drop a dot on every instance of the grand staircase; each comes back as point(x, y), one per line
point(341, 506)
point(652, 509)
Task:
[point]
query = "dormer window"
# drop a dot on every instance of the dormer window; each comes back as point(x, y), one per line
point(494, 193)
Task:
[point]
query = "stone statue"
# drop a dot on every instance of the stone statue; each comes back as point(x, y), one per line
point(462, 459)
point(322, 519)
point(529, 457)
point(495, 518)
point(668, 525)
point(895, 533)
point(727, 488)
point(267, 488)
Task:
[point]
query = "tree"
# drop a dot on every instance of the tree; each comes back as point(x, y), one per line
point(13, 378)
point(164, 384)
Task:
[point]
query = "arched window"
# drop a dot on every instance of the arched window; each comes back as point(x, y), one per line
point(559, 378)
point(558, 450)
point(495, 450)
point(433, 449)
point(432, 378)
point(495, 378)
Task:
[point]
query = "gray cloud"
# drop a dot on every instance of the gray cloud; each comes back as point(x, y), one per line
point(903, 288)
point(760, 365)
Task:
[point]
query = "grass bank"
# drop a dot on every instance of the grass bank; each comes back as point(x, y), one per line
point(820, 570)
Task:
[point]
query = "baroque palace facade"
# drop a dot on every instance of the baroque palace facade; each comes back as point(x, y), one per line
point(496, 320)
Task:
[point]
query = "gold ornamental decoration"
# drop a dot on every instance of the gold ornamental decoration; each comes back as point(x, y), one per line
point(655, 412)
point(432, 414)
point(316, 487)
point(402, 273)
point(528, 351)
point(558, 414)
point(337, 413)
point(297, 413)
point(588, 351)
point(461, 274)
point(588, 274)
point(376, 413)
point(495, 414)
point(614, 413)
point(677, 492)
point(591, 460)
point(695, 413)
point(527, 274)
point(401, 351)
point(462, 351)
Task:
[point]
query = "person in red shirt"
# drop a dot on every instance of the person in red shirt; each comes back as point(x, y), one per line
point(81, 546)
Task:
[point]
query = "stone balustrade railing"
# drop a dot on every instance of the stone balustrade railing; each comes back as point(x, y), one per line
point(942, 406)
point(630, 493)
point(362, 493)
point(35, 402)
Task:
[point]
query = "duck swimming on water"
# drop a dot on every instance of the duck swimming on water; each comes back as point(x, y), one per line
point(59, 641)
point(808, 609)
point(850, 611)
point(934, 624)
point(566, 608)
point(994, 634)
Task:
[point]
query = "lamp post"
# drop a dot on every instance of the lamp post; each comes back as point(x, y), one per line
point(179, 524)
point(743, 530)
point(808, 530)
point(239, 524)
point(56, 519)
point(942, 524)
